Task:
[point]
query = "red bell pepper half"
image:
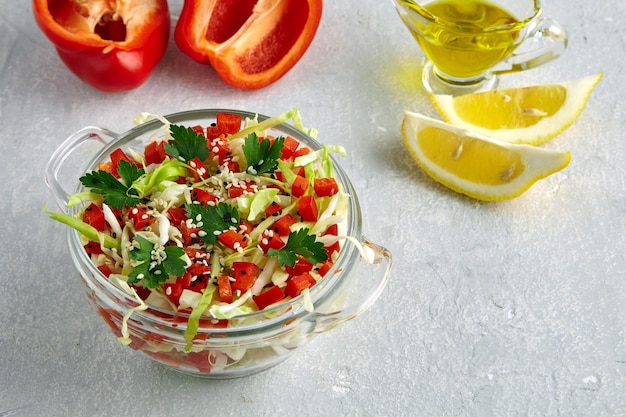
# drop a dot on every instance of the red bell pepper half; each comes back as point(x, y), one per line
point(249, 43)
point(112, 45)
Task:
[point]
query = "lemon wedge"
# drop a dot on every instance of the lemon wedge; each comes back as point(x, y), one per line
point(476, 165)
point(531, 115)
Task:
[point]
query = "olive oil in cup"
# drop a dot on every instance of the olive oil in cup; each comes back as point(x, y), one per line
point(468, 43)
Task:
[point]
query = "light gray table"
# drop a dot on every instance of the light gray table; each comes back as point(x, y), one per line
point(493, 309)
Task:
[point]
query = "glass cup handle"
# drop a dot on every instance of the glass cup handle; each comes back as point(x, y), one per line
point(547, 43)
point(379, 259)
point(55, 164)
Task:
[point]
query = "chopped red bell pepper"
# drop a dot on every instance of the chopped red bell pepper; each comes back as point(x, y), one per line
point(296, 284)
point(324, 267)
point(199, 268)
point(290, 146)
point(225, 124)
point(332, 230)
point(238, 189)
point(106, 270)
point(283, 225)
point(197, 254)
point(203, 196)
point(224, 289)
point(301, 152)
point(190, 234)
point(173, 291)
point(177, 215)
point(232, 239)
point(198, 129)
point(142, 217)
point(299, 186)
point(154, 152)
point(199, 360)
point(198, 169)
point(274, 209)
point(249, 43)
point(117, 156)
point(301, 266)
point(228, 123)
point(193, 282)
point(325, 187)
point(307, 207)
point(270, 240)
point(111, 45)
point(94, 217)
point(92, 247)
point(268, 297)
point(298, 170)
point(245, 274)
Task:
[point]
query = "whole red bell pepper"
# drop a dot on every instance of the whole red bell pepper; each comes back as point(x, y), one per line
point(249, 43)
point(112, 45)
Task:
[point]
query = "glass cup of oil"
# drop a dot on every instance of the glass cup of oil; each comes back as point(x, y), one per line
point(468, 43)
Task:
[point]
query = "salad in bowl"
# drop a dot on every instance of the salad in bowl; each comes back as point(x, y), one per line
point(217, 241)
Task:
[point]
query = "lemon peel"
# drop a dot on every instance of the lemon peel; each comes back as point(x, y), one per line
point(476, 165)
point(530, 115)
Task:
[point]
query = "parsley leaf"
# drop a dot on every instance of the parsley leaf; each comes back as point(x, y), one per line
point(156, 264)
point(212, 219)
point(116, 193)
point(187, 144)
point(262, 156)
point(300, 243)
point(129, 173)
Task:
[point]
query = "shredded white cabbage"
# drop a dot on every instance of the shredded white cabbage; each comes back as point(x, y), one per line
point(121, 283)
point(110, 218)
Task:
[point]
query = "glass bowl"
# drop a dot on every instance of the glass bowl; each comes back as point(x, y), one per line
point(244, 344)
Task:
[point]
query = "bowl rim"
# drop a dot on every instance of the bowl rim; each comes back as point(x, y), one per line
point(346, 262)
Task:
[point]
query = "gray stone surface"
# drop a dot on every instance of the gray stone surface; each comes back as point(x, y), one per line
point(493, 309)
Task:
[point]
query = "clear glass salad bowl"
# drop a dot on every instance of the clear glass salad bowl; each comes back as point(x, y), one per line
point(242, 345)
